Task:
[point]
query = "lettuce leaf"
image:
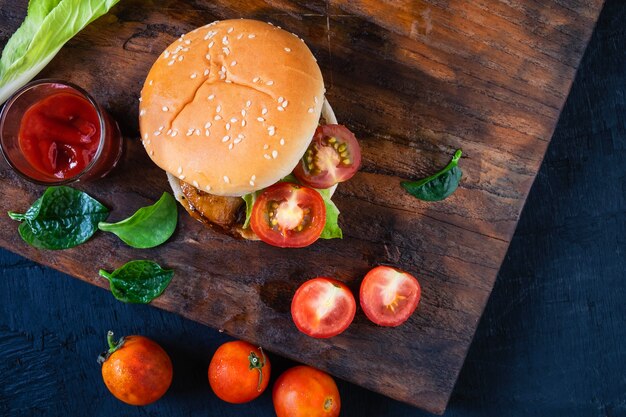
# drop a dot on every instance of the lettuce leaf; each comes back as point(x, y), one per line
point(331, 228)
point(49, 24)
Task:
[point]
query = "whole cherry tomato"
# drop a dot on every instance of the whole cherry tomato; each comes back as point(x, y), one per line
point(303, 391)
point(135, 369)
point(239, 372)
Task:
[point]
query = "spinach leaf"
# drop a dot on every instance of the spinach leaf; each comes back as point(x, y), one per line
point(138, 281)
point(437, 186)
point(62, 218)
point(149, 226)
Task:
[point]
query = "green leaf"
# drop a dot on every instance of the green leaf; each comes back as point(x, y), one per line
point(138, 281)
point(62, 218)
point(437, 186)
point(149, 226)
point(49, 24)
point(331, 228)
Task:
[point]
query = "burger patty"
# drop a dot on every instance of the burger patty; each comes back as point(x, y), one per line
point(222, 211)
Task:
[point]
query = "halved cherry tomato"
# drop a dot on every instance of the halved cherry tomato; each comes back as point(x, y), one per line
point(135, 369)
point(288, 215)
point(333, 156)
point(239, 372)
point(323, 307)
point(303, 391)
point(389, 296)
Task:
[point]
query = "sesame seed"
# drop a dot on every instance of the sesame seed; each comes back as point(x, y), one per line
point(227, 126)
point(243, 123)
point(281, 99)
point(165, 108)
point(195, 183)
point(174, 133)
point(206, 72)
point(207, 125)
point(182, 177)
point(225, 40)
point(266, 146)
point(194, 75)
point(151, 153)
point(226, 179)
point(284, 104)
point(218, 108)
point(315, 99)
point(171, 62)
point(271, 130)
point(252, 183)
point(226, 138)
point(253, 178)
point(147, 142)
point(250, 36)
point(207, 132)
point(274, 154)
point(212, 96)
point(180, 170)
point(287, 49)
point(238, 140)
point(140, 99)
point(150, 82)
point(282, 141)
point(266, 156)
point(169, 131)
point(197, 132)
point(142, 112)
point(230, 30)
point(187, 42)
point(228, 81)
point(240, 36)
point(270, 83)
point(161, 128)
point(145, 135)
point(189, 132)
point(180, 58)
point(208, 56)
point(280, 108)
point(226, 50)
point(248, 103)
point(255, 79)
point(264, 111)
point(208, 188)
point(232, 64)
point(222, 75)
point(166, 54)
point(217, 117)
point(230, 146)
point(243, 112)
point(260, 119)
point(310, 110)
point(233, 120)
point(211, 44)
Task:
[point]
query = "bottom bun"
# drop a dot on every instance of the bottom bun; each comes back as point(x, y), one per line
point(328, 117)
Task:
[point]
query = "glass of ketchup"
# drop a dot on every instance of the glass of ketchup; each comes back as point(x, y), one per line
point(53, 132)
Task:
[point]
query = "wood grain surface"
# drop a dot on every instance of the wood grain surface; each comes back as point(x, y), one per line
point(414, 80)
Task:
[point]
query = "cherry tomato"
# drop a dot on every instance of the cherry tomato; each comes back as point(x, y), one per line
point(323, 307)
point(333, 156)
point(136, 370)
point(389, 296)
point(304, 391)
point(239, 372)
point(288, 215)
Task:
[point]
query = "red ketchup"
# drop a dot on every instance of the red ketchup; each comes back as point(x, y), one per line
point(59, 135)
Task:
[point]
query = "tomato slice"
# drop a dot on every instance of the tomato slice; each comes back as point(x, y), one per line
point(333, 156)
point(288, 215)
point(389, 296)
point(323, 307)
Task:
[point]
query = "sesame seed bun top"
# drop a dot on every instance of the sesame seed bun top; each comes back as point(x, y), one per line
point(231, 107)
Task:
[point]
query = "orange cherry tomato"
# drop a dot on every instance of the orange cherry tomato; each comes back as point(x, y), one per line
point(304, 391)
point(239, 372)
point(136, 370)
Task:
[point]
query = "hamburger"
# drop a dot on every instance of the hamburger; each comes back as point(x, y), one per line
point(229, 111)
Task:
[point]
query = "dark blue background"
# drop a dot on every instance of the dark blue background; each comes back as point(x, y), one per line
point(551, 342)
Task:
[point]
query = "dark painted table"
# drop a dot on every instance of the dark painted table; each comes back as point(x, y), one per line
point(551, 342)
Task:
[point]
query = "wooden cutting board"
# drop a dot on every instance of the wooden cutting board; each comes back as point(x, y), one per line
point(414, 80)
